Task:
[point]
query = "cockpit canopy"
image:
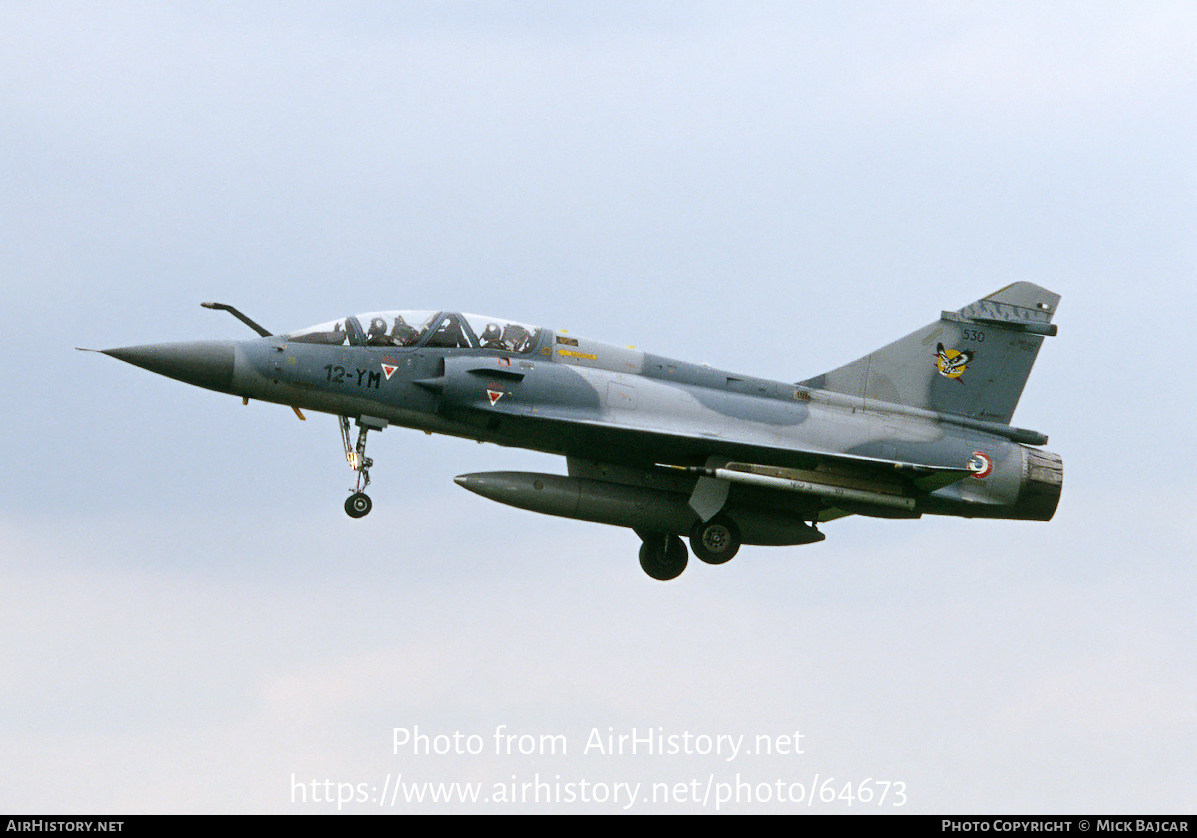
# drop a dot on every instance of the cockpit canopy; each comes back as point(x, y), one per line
point(436, 329)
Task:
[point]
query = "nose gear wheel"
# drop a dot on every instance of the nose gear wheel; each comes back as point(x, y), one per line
point(359, 503)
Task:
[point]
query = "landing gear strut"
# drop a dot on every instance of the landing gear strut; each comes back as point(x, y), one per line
point(359, 503)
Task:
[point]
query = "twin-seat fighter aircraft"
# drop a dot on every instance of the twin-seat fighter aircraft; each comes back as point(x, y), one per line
point(667, 448)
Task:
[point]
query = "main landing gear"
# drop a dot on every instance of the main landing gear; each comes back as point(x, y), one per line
point(664, 557)
point(715, 541)
point(359, 504)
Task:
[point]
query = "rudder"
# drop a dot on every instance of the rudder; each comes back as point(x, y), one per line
point(973, 362)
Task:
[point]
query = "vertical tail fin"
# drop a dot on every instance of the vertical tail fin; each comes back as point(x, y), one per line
point(973, 362)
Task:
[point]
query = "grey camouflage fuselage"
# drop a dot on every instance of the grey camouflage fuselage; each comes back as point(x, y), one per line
point(668, 447)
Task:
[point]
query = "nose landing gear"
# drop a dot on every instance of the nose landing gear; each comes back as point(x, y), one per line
point(359, 503)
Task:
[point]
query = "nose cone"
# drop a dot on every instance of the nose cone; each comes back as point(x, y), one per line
point(205, 363)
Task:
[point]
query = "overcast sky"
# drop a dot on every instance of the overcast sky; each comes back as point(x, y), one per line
point(192, 624)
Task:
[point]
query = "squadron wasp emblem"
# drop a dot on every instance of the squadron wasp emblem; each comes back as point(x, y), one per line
point(952, 363)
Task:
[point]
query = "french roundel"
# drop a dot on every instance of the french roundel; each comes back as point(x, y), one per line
point(980, 464)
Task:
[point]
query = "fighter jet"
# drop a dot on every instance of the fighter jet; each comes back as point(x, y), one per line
point(669, 448)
